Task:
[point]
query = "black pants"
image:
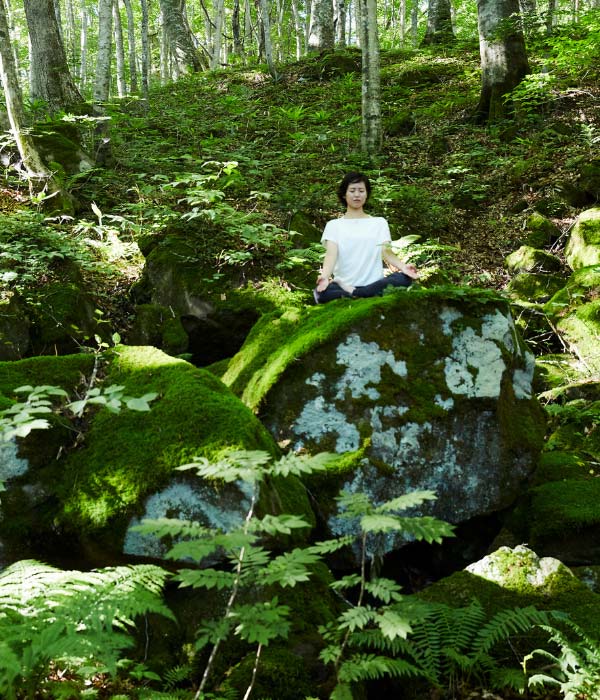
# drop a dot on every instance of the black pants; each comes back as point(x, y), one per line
point(334, 291)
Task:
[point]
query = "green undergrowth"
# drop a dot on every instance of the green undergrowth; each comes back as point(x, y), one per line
point(128, 455)
point(278, 340)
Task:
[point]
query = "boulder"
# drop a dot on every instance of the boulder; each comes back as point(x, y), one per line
point(575, 312)
point(518, 577)
point(14, 328)
point(540, 230)
point(86, 497)
point(583, 246)
point(428, 391)
point(534, 287)
point(528, 259)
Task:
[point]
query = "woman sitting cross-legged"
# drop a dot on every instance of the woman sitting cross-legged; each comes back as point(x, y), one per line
point(356, 245)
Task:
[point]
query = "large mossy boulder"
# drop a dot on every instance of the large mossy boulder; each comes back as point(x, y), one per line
point(540, 230)
point(428, 389)
point(122, 467)
point(190, 302)
point(14, 328)
point(528, 259)
point(583, 246)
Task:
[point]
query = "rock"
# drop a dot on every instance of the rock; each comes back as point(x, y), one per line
point(528, 259)
point(433, 393)
point(400, 124)
point(521, 570)
point(124, 464)
point(59, 143)
point(518, 577)
point(584, 189)
point(534, 286)
point(14, 329)
point(540, 230)
point(583, 246)
point(575, 311)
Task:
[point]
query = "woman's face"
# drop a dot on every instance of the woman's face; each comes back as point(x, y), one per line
point(356, 195)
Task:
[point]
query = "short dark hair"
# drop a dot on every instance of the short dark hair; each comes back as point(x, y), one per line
point(352, 179)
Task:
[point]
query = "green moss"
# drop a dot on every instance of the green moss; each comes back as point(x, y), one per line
point(556, 466)
point(583, 246)
point(278, 341)
point(534, 287)
point(528, 259)
point(540, 230)
point(66, 372)
point(131, 454)
point(552, 371)
point(581, 287)
point(574, 598)
point(562, 507)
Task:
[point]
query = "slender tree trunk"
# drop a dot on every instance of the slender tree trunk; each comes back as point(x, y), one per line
point(414, 22)
point(179, 37)
point(71, 43)
point(215, 59)
point(321, 36)
point(371, 137)
point(145, 50)
point(51, 79)
point(503, 57)
point(439, 23)
point(298, 30)
point(133, 76)
point(266, 26)
point(10, 21)
point(119, 50)
point(402, 22)
point(340, 22)
point(83, 36)
point(39, 176)
point(248, 31)
point(104, 55)
point(238, 46)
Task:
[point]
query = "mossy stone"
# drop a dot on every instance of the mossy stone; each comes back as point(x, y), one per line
point(534, 286)
point(555, 370)
point(129, 455)
point(540, 230)
point(564, 520)
point(558, 465)
point(583, 246)
point(521, 582)
point(528, 259)
point(400, 124)
point(14, 329)
point(302, 224)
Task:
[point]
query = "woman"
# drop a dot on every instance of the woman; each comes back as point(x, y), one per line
point(356, 245)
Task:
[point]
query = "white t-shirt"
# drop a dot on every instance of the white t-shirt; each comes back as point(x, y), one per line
point(360, 244)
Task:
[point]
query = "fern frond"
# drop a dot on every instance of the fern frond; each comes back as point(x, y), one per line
point(362, 667)
point(408, 500)
point(426, 528)
point(356, 617)
point(205, 578)
point(289, 568)
point(302, 465)
point(392, 624)
point(331, 546)
point(506, 623)
point(384, 589)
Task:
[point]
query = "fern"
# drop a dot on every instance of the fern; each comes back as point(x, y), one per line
point(76, 619)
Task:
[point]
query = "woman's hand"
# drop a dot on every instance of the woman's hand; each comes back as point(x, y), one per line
point(322, 283)
point(410, 271)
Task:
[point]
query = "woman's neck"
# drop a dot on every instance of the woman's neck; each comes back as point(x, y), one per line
point(354, 214)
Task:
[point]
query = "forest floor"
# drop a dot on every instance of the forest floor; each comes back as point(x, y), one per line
point(465, 189)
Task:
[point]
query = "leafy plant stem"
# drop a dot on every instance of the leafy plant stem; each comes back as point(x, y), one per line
point(232, 597)
point(254, 670)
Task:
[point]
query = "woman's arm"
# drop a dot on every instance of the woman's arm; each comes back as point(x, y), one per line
point(331, 253)
point(392, 259)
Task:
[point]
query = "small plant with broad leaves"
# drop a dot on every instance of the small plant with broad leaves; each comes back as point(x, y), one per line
point(58, 624)
point(252, 566)
point(574, 669)
point(380, 610)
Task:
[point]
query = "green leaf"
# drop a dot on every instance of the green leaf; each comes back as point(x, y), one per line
point(205, 578)
point(384, 588)
point(356, 618)
point(289, 568)
point(393, 625)
point(262, 622)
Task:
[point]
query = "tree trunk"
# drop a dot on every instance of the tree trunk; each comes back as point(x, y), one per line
point(179, 37)
point(503, 56)
point(51, 79)
point(550, 12)
point(120, 50)
point(145, 50)
point(83, 36)
point(371, 137)
point(104, 55)
point(340, 22)
point(321, 36)
point(133, 78)
point(414, 22)
point(38, 175)
point(439, 23)
point(215, 59)
point(266, 26)
point(238, 46)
